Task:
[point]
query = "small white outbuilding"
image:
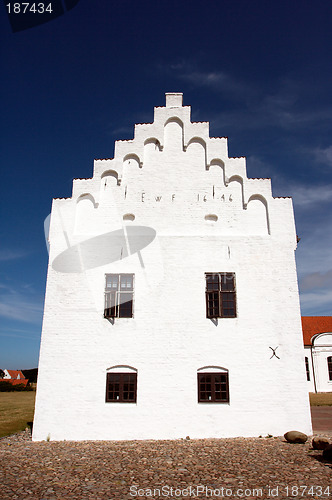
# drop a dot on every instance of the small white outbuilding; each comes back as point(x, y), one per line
point(172, 304)
point(317, 338)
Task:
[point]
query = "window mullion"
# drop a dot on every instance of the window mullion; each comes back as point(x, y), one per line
point(207, 304)
point(121, 388)
point(117, 303)
point(213, 388)
point(220, 314)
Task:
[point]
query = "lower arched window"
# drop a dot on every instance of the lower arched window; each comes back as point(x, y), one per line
point(213, 385)
point(121, 384)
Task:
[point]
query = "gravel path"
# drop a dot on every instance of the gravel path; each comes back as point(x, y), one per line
point(211, 468)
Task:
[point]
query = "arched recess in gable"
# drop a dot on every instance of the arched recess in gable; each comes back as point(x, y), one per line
point(237, 188)
point(110, 178)
point(86, 196)
point(108, 183)
point(173, 134)
point(155, 142)
point(217, 170)
point(152, 147)
point(196, 148)
point(85, 214)
point(258, 215)
point(131, 160)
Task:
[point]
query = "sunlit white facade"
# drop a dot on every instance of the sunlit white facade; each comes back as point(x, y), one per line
point(172, 304)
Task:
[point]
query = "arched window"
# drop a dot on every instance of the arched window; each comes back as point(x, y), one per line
point(329, 367)
point(212, 382)
point(307, 368)
point(121, 384)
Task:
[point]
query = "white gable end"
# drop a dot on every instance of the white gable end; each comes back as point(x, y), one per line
point(171, 291)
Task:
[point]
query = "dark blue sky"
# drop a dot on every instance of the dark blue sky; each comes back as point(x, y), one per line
point(259, 71)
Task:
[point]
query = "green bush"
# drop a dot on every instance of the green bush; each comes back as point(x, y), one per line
point(8, 387)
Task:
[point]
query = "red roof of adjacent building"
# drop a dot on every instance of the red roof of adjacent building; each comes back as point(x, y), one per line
point(311, 325)
point(14, 374)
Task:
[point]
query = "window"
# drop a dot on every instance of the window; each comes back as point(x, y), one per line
point(220, 295)
point(307, 368)
point(121, 387)
point(213, 387)
point(329, 367)
point(119, 293)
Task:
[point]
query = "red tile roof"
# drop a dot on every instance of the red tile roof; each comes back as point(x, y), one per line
point(311, 325)
point(15, 373)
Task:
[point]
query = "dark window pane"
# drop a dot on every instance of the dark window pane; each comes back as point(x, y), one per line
point(329, 366)
point(212, 282)
point(126, 305)
point(113, 387)
point(228, 304)
point(227, 282)
point(119, 296)
point(212, 299)
point(126, 282)
point(220, 295)
point(110, 309)
point(213, 387)
point(307, 368)
point(121, 387)
point(112, 281)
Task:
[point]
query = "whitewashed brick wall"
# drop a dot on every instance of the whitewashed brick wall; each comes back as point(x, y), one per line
point(171, 176)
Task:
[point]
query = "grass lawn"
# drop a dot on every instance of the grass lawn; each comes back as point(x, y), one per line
point(320, 399)
point(16, 410)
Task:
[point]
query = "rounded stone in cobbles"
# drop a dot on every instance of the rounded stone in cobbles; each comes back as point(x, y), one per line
point(320, 443)
point(327, 453)
point(296, 437)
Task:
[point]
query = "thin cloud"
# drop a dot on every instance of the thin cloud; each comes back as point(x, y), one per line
point(323, 155)
point(316, 281)
point(313, 224)
point(305, 196)
point(126, 131)
point(313, 255)
point(316, 303)
point(219, 81)
point(25, 308)
point(20, 336)
point(8, 254)
point(216, 79)
point(284, 104)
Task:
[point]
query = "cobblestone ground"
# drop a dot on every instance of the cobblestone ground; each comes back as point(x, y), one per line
point(247, 468)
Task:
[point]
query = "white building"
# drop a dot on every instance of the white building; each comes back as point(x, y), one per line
point(172, 304)
point(317, 337)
